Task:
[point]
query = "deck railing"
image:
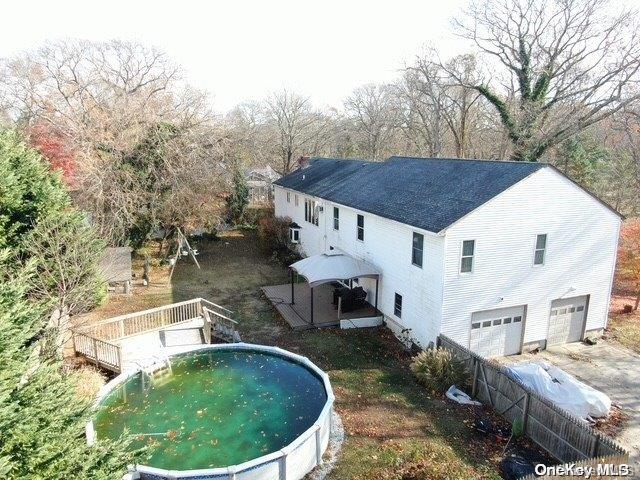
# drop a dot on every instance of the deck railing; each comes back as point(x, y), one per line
point(99, 342)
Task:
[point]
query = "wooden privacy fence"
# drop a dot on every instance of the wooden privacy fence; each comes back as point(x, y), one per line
point(100, 342)
point(558, 432)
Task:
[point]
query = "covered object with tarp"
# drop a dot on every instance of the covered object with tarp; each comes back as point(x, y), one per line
point(331, 267)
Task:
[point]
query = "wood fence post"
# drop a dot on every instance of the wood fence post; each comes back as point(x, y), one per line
point(95, 350)
point(596, 446)
point(525, 412)
point(474, 386)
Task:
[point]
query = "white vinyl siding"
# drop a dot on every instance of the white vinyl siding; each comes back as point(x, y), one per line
point(584, 237)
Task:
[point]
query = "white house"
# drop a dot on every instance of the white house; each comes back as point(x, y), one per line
point(499, 256)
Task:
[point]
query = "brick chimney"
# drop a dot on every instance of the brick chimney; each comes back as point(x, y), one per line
point(303, 162)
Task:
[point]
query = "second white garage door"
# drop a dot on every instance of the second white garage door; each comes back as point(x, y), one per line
point(566, 320)
point(497, 332)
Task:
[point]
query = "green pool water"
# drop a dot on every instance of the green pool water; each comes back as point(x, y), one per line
point(219, 407)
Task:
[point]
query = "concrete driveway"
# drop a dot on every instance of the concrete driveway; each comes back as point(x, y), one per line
point(609, 368)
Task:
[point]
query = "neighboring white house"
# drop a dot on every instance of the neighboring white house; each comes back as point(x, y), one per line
point(499, 256)
point(260, 184)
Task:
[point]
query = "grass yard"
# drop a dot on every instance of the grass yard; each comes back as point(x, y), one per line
point(395, 429)
point(624, 328)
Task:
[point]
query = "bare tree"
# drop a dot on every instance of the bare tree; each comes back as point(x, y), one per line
point(570, 66)
point(373, 110)
point(105, 99)
point(297, 128)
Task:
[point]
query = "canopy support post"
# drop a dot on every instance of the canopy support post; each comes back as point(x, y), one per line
point(292, 293)
point(375, 305)
point(311, 305)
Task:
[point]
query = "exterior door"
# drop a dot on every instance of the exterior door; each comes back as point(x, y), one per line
point(497, 332)
point(566, 320)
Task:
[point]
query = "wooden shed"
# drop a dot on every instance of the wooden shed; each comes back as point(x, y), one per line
point(115, 266)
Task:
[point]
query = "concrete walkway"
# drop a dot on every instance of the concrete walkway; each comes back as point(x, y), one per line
point(609, 368)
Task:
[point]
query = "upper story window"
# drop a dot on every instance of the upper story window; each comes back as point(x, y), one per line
point(541, 248)
point(296, 200)
point(360, 228)
point(397, 305)
point(288, 197)
point(417, 249)
point(311, 211)
point(466, 261)
point(336, 218)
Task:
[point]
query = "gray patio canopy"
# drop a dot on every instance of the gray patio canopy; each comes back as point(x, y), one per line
point(330, 267)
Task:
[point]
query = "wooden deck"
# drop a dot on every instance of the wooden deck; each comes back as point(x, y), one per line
point(140, 339)
point(298, 315)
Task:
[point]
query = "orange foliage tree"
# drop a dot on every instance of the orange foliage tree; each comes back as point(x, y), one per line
point(55, 148)
point(629, 257)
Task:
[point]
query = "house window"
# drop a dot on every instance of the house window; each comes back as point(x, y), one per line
point(466, 262)
point(294, 235)
point(296, 200)
point(311, 211)
point(360, 228)
point(336, 218)
point(397, 305)
point(288, 197)
point(416, 252)
point(541, 247)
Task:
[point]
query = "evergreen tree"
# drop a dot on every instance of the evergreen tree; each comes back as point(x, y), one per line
point(42, 418)
point(239, 198)
point(44, 244)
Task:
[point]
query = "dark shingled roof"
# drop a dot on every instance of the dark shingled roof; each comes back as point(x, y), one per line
point(428, 193)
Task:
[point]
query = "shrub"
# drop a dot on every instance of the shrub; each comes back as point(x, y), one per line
point(273, 233)
point(438, 369)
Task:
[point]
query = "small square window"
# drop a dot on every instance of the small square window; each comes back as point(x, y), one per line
point(562, 311)
point(554, 312)
point(572, 309)
point(487, 323)
point(517, 319)
point(475, 326)
point(467, 265)
point(497, 321)
point(507, 320)
point(580, 308)
point(397, 305)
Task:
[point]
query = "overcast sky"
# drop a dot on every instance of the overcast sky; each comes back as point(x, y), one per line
point(242, 50)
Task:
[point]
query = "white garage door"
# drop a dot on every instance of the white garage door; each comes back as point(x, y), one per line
point(497, 332)
point(566, 320)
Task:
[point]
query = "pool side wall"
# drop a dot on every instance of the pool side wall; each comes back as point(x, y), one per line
point(293, 462)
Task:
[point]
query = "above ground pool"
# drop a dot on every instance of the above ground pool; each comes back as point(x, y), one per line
point(227, 405)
